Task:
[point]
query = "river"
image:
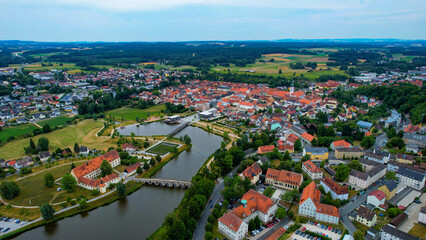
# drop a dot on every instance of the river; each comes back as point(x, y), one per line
point(137, 216)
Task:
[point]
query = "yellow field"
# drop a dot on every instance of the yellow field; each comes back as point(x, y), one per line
point(83, 133)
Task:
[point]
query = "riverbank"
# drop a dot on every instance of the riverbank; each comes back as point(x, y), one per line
point(104, 200)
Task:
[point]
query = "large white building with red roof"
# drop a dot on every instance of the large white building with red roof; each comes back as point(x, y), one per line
point(87, 173)
point(252, 173)
point(314, 172)
point(376, 198)
point(235, 224)
point(310, 206)
point(337, 191)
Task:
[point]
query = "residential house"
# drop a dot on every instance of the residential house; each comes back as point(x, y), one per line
point(264, 159)
point(316, 153)
point(130, 170)
point(411, 178)
point(404, 158)
point(232, 226)
point(367, 165)
point(389, 189)
point(390, 233)
point(310, 206)
point(128, 147)
point(364, 180)
point(44, 156)
point(306, 138)
point(312, 170)
point(265, 149)
point(83, 150)
point(350, 152)
point(252, 173)
point(283, 179)
point(366, 216)
point(376, 198)
point(337, 191)
point(340, 144)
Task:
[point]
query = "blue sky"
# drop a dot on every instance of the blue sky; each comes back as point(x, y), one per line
point(187, 20)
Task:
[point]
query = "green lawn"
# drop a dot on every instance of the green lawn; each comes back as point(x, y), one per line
point(53, 122)
point(133, 113)
point(162, 148)
point(39, 67)
point(361, 227)
point(82, 133)
point(216, 233)
point(418, 230)
point(16, 131)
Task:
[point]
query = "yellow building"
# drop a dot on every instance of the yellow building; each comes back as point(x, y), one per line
point(404, 158)
point(389, 189)
point(350, 152)
point(316, 153)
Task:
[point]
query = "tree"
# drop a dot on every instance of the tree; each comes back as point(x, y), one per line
point(396, 142)
point(76, 148)
point(342, 172)
point(391, 175)
point(158, 158)
point(82, 203)
point(209, 227)
point(298, 145)
point(106, 168)
point(72, 166)
point(9, 189)
point(146, 166)
point(355, 164)
point(47, 211)
point(32, 145)
point(281, 213)
point(358, 235)
point(68, 183)
point(393, 212)
point(177, 230)
point(121, 189)
point(208, 236)
point(139, 170)
point(152, 162)
point(186, 139)
point(49, 180)
point(257, 222)
point(46, 128)
point(367, 142)
point(290, 196)
point(252, 225)
point(43, 144)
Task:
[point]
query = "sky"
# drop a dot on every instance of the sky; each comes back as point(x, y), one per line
point(204, 20)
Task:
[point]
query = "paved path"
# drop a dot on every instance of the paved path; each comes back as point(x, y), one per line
point(345, 210)
point(413, 214)
point(269, 231)
point(215, 198)
point(36, 124)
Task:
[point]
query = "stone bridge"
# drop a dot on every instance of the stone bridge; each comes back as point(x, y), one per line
point(164, 182)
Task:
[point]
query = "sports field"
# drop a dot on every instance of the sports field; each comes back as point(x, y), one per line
point(133, 113)
point(82, 133)
point(162, 148)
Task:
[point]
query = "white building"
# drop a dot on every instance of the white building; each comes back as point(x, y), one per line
point(312, 170)
point(376, 198)
point(422, 215)
point(390, 233)
point(411, 178)
point(337, 191)
point(232, 226)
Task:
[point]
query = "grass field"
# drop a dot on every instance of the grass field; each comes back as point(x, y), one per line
point(53, 122)
point(16, 131)
point(38, 67)
point(33, 191)
point(162, 148)
point(133, 113)
point(418, 230)
point(82, 133)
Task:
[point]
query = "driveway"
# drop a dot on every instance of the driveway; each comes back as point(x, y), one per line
point(413, 214)
point(312, 228)
point(345, 210)
point(268, 231)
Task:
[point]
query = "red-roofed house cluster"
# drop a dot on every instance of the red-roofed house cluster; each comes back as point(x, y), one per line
point(87, 174)
point(234, 224)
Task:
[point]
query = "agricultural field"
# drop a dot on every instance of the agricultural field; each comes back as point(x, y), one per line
point(37, 66)
point(83, 133)
point(43, 56)
point(53, 122)
point(282, 62)
point(133, 113)
point(162, 148)
point(16, 131)
point(404, 57)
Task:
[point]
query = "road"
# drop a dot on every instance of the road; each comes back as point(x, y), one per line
point(345, 210)
point(413, 214)
point(215, 198)
point(380, 141)
point(21, 67)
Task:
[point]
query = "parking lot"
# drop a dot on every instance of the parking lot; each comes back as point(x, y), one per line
point(11, 224)
point(316, 229)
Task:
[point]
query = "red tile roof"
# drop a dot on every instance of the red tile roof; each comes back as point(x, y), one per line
point(231, 220)
point(265, 149)
point(378, 194)
point(94, 164)
point(311, 166)
point(277, 234)
point(341, 143)
point(307, 136)
point(252, 171)
point(255, 202)
point(285, 176)
point(311, 191)
point(335, 187)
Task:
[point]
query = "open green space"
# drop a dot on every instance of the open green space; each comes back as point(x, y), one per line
point(53, 122)
point(83, 133)
point(162, 148)
point(35, 193)
point(55, 65)
point(133, 113)
point(418, 230)
point(16, 131)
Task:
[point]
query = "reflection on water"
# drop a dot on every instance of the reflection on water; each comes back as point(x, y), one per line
point(137, 216)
